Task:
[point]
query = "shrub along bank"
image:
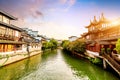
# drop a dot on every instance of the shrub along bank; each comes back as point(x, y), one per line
point(78, 48)
point(52, 44)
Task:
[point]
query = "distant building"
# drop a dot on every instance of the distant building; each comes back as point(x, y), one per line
point(44, 38)
point(73, 38)
point(59, 41)
point(32, 38)
point(102, 33)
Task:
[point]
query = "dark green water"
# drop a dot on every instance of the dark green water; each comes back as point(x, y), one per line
point(54, 65)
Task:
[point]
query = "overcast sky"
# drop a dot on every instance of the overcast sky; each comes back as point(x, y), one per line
point(59, 19)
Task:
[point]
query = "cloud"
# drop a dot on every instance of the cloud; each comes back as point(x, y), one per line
point(57, 30)
point(22, 8)
point(72, 2)
point(36, 14)
point(68, 4)
point(52, 9)
point(25, 10)
point(63, 1)
point(39, 13)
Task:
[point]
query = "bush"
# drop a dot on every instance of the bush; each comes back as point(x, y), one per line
point(76, 46)
point(65, 44)
point(102, 51)
point(118, 46)
point(95, 60)
point(52, 44)
point(79, 47)
point(108, 51)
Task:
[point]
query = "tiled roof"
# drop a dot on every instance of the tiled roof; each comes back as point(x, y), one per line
point(8, 15)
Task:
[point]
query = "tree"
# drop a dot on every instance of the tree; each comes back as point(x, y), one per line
point(79, 46)
point(75, 46)
point(118, 46)
point(65, 44)
point(52, 44)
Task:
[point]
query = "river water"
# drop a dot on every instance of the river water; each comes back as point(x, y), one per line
point(54, 65)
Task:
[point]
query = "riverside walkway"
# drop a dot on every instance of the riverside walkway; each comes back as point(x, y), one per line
point(107, 59)
point(18, 57)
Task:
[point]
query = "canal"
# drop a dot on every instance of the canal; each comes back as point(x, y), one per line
point(54, 65)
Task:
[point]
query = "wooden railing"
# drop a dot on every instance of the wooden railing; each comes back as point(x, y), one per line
point(112, 63)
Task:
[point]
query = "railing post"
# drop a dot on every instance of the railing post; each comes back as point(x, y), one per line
point(104, 64)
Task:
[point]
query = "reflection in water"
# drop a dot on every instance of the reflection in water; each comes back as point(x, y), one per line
point(20, 69)
point(83, 67)
point(54, 65)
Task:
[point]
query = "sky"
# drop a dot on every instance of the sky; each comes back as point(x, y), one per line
point(59, 19)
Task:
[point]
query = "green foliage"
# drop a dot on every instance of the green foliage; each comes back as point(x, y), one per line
point(76, 46)
point(52, 44)
point(95, 60)
point(118, 46)
point(79, 46)
point(108, 50)
point(102, 51)
point(65, 44)
point(0, 56)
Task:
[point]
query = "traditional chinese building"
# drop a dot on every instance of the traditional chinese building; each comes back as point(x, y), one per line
point(9, 34)
point(102, 33)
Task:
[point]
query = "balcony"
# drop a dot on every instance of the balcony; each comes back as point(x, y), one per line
point(110, 37)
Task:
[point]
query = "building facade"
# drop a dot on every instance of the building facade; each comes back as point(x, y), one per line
point(14, 39)
point(102, 33)
point(31, 37)
point(9, 34)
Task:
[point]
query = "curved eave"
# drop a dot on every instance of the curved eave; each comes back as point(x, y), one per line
point(86, 34)
point(88, 26)
point(8, 15)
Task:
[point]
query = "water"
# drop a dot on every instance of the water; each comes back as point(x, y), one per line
point(54, 65)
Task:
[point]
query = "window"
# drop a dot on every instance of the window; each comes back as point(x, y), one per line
point(10, 32)
point(0, 17)
point(2, 30)
point(87, 37)
point(16, 33)
point(1, 47)
point(6, 20)
point(7, 31)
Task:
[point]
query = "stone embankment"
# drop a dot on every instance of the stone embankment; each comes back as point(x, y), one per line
point(9, 59)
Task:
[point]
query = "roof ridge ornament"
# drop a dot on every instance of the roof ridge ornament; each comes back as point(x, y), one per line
point(102, 17)
point(95, 20)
